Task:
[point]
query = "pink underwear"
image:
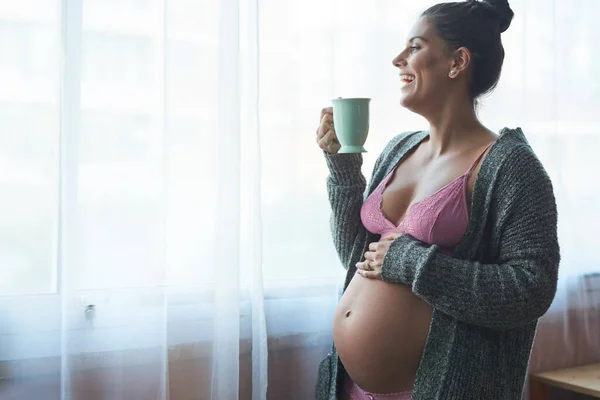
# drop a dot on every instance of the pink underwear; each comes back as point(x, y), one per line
point(357, 393)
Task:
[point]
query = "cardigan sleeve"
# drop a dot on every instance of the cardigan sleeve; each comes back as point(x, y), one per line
point(345, 187)
point(516, 290)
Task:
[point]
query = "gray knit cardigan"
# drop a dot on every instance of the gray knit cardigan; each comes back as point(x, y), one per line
point(487, 296)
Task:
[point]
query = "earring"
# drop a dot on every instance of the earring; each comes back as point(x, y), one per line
point(452, 73)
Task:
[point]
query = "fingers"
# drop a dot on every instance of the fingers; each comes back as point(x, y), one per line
point(363, 266)
point(369, 264)
point(329, 142)
point(329, 138)
point(327, 110)
point(392, 236)
point(372, 264)
point(373, 246)
point(370, 256)
point(370, 274)
point(326, 137)
point(374, 257)
point(325, 125)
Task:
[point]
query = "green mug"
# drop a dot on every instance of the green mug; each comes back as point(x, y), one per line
point(351, 122)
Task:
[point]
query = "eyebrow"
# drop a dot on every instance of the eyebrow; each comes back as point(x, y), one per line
point(418, 37)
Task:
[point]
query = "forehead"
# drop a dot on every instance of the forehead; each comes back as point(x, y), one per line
point(424, 29)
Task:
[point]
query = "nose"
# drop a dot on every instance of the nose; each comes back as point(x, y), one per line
point(399, 60)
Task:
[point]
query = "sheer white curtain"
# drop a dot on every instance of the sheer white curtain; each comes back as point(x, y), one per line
point(163, 220)
point(130, 225)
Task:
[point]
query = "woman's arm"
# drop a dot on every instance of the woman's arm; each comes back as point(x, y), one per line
point(345, 186)
point(511, 293)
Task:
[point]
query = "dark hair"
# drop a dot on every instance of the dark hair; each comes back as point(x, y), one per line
point(476, 25)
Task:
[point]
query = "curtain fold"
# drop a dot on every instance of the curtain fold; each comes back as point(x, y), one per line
point(68, 252)
point(251, 244)
point(226, 256)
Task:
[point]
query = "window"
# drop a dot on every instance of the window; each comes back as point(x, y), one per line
point(148, 112)
point(28, 147)
point(119, 184)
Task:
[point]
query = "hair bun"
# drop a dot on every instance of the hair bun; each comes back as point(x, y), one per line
point(501, 9)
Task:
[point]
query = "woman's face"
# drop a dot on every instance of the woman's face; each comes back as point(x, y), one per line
point(424, 67)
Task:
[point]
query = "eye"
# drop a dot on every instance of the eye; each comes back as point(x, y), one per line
point(414, 48)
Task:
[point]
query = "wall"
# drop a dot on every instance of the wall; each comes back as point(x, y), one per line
point(564, 340)
point(292, 373)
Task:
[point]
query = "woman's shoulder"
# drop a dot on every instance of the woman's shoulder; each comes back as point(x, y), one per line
point(510, 147)
point(512, 162)
point(403, 142)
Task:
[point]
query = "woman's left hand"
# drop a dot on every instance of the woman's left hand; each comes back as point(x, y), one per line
point(371, 267)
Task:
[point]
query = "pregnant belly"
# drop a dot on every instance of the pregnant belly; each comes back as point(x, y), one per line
point(379, 331)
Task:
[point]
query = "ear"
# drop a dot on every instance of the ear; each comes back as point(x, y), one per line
point(460, 62)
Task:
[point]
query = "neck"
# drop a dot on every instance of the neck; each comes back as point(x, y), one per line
point(454, 122)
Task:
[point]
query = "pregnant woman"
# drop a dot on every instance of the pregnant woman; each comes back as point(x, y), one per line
point(451, 250)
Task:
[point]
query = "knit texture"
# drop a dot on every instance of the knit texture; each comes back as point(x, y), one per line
point(487, 295)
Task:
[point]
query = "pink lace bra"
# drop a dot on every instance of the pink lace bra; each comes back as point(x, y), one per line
point(441, 218)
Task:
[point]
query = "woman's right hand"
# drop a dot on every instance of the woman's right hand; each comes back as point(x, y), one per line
point(326, 138)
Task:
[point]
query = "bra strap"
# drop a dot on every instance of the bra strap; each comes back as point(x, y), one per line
point(479, 158)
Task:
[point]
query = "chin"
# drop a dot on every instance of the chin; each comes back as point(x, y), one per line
point(406, 102)
point(415, 104)
point(413, 107)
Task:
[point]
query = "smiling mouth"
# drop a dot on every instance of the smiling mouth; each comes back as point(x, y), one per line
point(407, 79)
